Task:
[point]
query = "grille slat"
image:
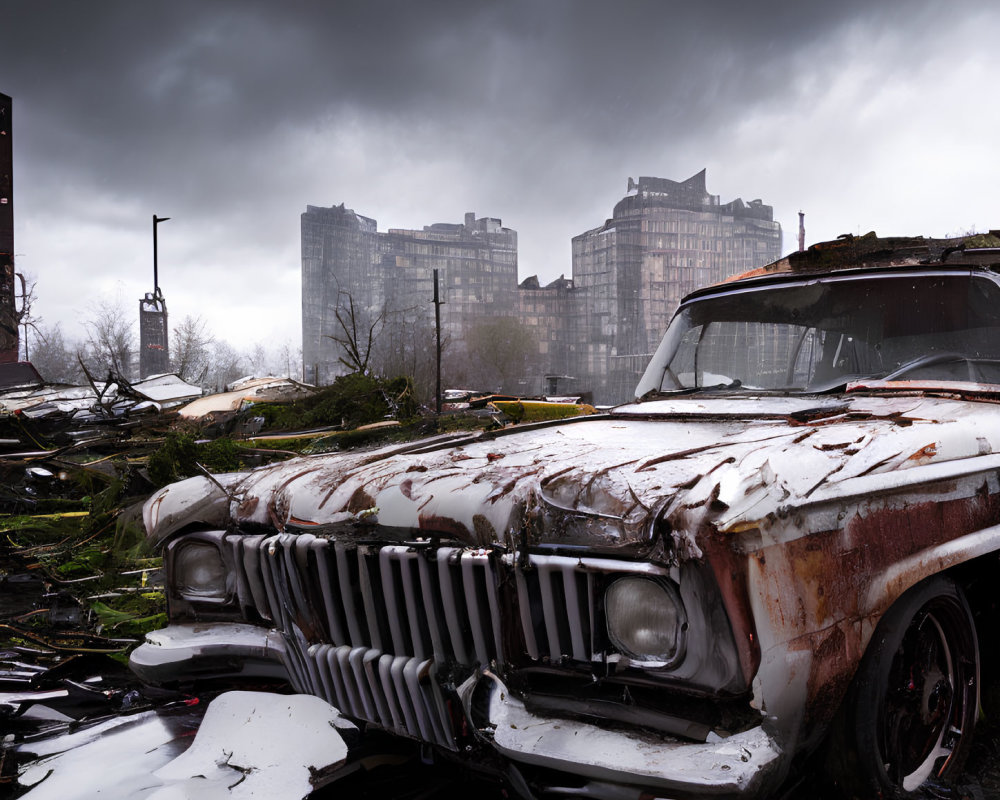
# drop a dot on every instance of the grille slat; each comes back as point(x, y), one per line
point(549, 610)
point(329, 585)
point(249, 588)
point(370, 666)
point(430, 603)
point(317, 653)
point(376, 612)
point(454, 605)
point(268, 548)
point(337, 680)
point(392, 701)
point(525, 606)
point(356, 660)
point(299, 609)
point(411, 674)
point(481, 603)
point(575, 621)
point(342, 657)
point(353, 612)
point(389, 588)
point(413, 610)
point(398, 672)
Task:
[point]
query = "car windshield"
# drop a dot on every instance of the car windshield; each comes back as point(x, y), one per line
point(820, 334)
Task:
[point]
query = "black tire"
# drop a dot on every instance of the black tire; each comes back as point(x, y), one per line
point(908, 718)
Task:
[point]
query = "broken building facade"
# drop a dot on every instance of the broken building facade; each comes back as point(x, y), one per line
point(345, 260)
point(154, 350)
point(594, 331)
point(664, 240)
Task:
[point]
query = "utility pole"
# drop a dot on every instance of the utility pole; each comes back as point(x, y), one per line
point(437, 331)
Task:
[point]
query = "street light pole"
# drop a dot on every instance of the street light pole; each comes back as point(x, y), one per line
point(156, 277)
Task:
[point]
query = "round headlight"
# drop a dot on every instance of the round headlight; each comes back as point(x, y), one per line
point(645, 619)
point(199, 572)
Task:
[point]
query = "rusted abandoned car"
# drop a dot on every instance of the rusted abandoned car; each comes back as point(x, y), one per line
point(785, 547)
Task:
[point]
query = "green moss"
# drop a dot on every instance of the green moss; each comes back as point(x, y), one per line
point(295, 445)
point(221, 455)
point(527, 411)
point(86, 561)
point(175, 459)
point(129, 622)
point(25, 531)
point(449, 423)
point(179, 455)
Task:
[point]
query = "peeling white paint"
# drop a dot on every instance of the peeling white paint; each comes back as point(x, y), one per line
point(742, 453)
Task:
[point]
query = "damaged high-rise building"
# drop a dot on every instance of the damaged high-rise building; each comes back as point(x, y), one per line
point(593, 332)
point(664, 239)
point(356, 280)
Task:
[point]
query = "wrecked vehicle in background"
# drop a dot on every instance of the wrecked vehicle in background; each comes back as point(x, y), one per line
point(68, 413)
point(786, 547)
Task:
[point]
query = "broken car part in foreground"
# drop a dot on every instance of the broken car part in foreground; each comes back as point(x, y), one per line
point(248, 744)
point(784, 548)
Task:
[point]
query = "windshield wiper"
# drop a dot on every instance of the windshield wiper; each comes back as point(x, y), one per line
point(719, 387)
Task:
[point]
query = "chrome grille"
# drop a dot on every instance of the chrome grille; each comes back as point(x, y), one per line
point(368, 627)
point(372, 628)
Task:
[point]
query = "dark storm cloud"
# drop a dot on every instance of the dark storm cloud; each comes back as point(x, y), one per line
point(231, 116)
point(116, 78)
point(132, 90)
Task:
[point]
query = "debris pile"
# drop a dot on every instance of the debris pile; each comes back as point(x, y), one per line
point(79, 589)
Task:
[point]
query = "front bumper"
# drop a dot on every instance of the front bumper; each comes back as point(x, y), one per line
point(744, 764)
point(740, 765)
point(187, 652)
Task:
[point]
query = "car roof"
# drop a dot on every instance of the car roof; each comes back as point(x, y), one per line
point(872, 254)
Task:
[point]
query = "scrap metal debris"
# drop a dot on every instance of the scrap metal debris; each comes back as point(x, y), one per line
point(248, 744)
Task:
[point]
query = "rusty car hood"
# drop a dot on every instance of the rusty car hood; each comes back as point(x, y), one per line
point(604, 481)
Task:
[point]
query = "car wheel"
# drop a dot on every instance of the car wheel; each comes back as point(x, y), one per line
point(910, 713)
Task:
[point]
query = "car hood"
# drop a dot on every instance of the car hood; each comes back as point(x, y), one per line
point(616, 480)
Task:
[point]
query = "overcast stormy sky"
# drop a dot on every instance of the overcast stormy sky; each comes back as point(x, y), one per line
point(231, 116)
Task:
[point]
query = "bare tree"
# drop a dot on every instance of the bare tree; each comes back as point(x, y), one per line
point(406, 346)
point(258, 360)
point(24, 312)
point(287, 360)
point(357, 334)
point(53, 356)
point(226, 365)
point(503, 348)
point(111, 338)
point(190, 355)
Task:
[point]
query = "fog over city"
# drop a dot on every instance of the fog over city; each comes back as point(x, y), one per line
point(230, 117)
